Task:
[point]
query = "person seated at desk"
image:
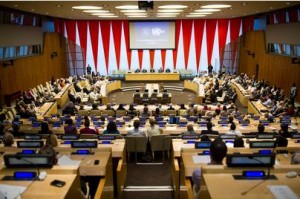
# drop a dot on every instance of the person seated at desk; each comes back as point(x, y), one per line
point(136, 131)
point(181, 110)
point(144, 70)
point(145, 112)
point(52, 140)
point(137, 70)
point(284, 131)
point(171, 107)
point(218, 150)
point(190, 130)
point(108, 107)
point(152, 70)
point(70, 128)
point(260, 128)
point(121, 107)
point(70, 109)
point(131, 111)
point(238, 142)
point(167, 70)
point(209, 130)
point(45, 128)
point(296, 158)
point(153, 129)
point(16, 131)
point(233, 130)
point(111, 128)
point(87, 128)
point(8, 139)
point(281, 141)
point(160, 70)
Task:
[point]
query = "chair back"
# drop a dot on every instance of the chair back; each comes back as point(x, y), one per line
point(136, 144)
point(160, 143)
point(83, 112)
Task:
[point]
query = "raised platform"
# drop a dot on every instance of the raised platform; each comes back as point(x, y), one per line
point(152, 77)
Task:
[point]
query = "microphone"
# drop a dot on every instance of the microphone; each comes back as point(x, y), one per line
point(268, 177)
point(18, 157)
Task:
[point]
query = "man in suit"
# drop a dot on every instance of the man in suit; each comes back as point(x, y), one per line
point(160, 70)
point(144, 70)
point(137, 70)
point(168, 70)
point(152, 70)
point(210, 69)
point(89, 69)
point(209, 130)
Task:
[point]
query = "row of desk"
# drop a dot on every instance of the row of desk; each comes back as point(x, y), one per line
point(217, 180)
point(152, 77)
point(111, 171)
point(198, 89)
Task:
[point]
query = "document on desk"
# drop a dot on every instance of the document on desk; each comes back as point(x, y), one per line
point(282, 191)
point(11, 191)
point(67, 161)
point(204, 159)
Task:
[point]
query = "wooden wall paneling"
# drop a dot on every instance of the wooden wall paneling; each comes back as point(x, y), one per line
point(29, 72)
point(276, 69)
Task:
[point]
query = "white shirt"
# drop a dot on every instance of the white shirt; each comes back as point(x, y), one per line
point(234, 132)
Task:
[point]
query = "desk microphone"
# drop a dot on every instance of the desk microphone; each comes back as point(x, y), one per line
point(31, 163)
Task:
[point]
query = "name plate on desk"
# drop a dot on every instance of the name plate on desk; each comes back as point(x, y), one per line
point(28, 160)
point(69, 137)
point(82, 152)
point(231, 137)
point(296, 136)
point(250, 160)
point(262, 144)
point(84, 144)
point(202, 145)
point(265, 136)
point(32, 137)
point(30, 144)
point(190, 137)
point(106, 137)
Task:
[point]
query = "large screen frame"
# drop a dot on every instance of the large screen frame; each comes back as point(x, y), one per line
point(152, 48)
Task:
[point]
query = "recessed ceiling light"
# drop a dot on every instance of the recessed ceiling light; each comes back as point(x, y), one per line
point(257, 10)
point(32, 10)
point(172, 6)
point(169, 13)
point(16, 5)
point(244, 3)
point(195, 15)
point(287, 3)
point(108, 16)
point(58, 6)
point(130, 7)
point(86, 7)
point(166, 16)
point(134, 11)
point(136, 16)
point(271, 8)
point(208, 10)
point(102, 14)
point(173, 10)
point(200, 13)
point(216, 6)
point(95, 11)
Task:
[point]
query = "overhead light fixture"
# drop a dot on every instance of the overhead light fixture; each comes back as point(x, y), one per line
point(171, 10)
point(208, 10)
point(195, 15)
point(136, 16)
point(102, 14)
point(58, 6)
point(140, 14)
point(94, 11)
point(86, 7)
point(130, 7)
point(166, 16)
point(173, 13)
point(216, 6)
point(200, 13)
point(134, 11)
point(172, 6)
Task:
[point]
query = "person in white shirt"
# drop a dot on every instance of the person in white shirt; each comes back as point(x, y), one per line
point(153, 129)
point(233, 130)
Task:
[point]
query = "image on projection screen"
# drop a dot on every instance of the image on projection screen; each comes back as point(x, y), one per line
point(152, 35)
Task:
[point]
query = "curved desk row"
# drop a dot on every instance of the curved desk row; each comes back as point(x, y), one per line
point(152, 77)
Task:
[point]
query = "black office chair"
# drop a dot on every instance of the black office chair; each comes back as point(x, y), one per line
point(153, 98)
point(137, 98)
point(165, 98)
point(145, 97)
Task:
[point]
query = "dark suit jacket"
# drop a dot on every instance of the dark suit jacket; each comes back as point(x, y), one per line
point(209, 132)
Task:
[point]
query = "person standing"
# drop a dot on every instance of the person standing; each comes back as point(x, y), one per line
point(88, 69)
point(293, 93)
point(210, 69)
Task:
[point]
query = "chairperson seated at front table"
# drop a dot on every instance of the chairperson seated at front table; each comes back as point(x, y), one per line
point(137, 70)
point(144, 70)
point(160, 70)
point(152, 70)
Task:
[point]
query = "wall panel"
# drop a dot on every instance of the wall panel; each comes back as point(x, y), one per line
point(279, 70)
point(28, 72)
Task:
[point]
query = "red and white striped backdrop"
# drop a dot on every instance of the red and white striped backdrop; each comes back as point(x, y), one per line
point(198, 43)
